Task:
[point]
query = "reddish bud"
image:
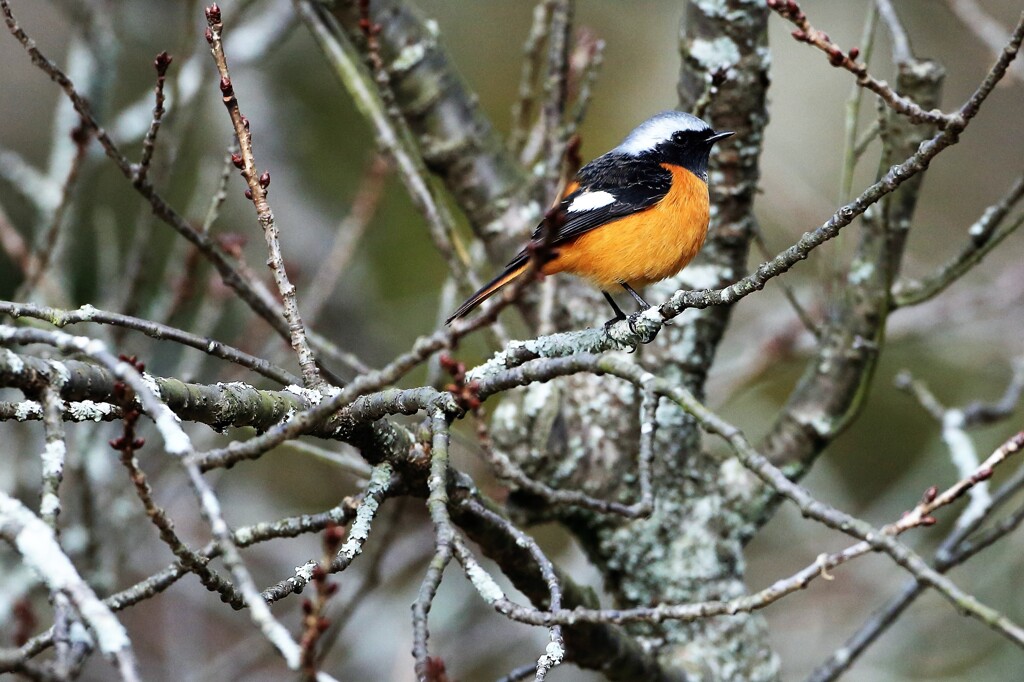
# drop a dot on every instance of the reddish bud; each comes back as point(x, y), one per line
point(836, 56)
point(213, 14)
point(928, 520)
point(138, 443)
point(245, 122)
point(333, 534)
point(930, 494)
point(265, 179)
point(331, 589)
point(435, 668)
point(236, 159)
point(322, 624)
point(983, 474)
point(162, 61)
point(225, 87)
point(798, 34)
point(307, 606)
point(854, 52)
point(248, 194)
point(319, 573)
point(209, 35)
point(80, 134)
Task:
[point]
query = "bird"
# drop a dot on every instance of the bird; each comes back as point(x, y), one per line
point(632, 217)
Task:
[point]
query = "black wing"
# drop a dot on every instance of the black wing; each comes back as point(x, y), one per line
point(636, 185)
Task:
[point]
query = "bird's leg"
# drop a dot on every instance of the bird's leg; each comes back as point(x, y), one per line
point(644, 305)
point(619, 315)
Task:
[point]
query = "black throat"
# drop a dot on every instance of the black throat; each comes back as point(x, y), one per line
point(693, 156)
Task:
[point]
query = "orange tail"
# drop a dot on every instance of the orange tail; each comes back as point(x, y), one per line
point(486, 292)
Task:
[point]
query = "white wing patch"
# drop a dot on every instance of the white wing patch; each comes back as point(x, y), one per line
point(588, 201)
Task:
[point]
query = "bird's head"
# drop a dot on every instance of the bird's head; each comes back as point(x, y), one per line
point(673, 137)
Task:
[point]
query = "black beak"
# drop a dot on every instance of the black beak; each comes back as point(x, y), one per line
point(719, 136)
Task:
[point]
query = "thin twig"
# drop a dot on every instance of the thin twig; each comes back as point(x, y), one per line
point(787, 291)
point(806, 33)
point(901, 51)
point(87, 313)
point(258, 185)
point(372, 93)
point(984, 235)
point(39, 262)
point(161, 64)
point(263, 305)
point(850, 153)
point(35, 541)
point(376, 491)
point(873, 539)
point(177, 443)
point(986, 28)
point(243, 537)
point(444, 537)
point(53, 457)
point(527, 93)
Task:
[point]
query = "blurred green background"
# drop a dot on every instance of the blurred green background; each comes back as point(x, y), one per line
point(317, 147)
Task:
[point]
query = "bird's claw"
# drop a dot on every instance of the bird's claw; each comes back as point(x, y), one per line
point(631, 321)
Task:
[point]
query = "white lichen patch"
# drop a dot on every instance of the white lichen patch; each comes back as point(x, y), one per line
point(537, 396)
point(553, 655)
point(49, 505)
point(721, 52)
point(86, 312)
point(484, 583)
point(409, 57)
point(150, 381)
point(311, 396)
point(303, 573)
point(87, 410)
point(28, 409)
point(61, 375)
point(360, 529)
point(53, 458)
point(176, 441)
point(14, 363)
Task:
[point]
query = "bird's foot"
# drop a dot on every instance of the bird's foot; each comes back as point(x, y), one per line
point(618, 318)
point(644, 336)
point(640, 332)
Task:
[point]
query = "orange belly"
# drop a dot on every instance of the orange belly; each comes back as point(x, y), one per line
point(644, 247)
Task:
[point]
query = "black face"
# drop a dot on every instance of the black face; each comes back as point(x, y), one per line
point(689, 149)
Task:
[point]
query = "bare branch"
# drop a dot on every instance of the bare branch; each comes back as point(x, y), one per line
point(257, 192)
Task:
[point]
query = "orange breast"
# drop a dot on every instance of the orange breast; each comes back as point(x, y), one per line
point(644, 247)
